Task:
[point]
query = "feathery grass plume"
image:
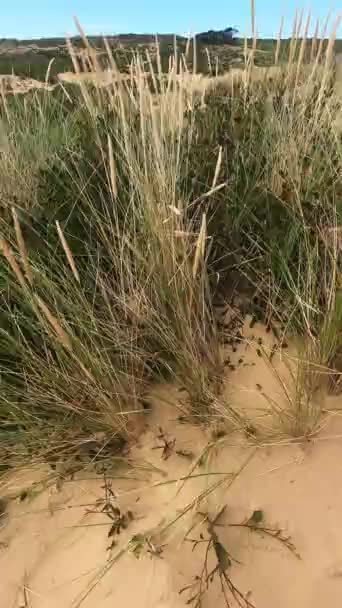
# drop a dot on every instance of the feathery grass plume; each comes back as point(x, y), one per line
point(112, 171)
point(92, 55)
point(200, 246)
point(314, 42)
point(302, 48)
point(322, 41)
point(328, 63)
point(22, 247)
point(276, 58)
point(8, 254)
point(209, 60)
point(194, 59)
point(81, 84)
point(48, 71)
point(299, 25)
point(293, 45)
point(3, 99)
point(187, 47)
point(245, 51)
point(253, 19)
point(175, 53)
point(56, 326)
point(67, 252)
point(254, 32)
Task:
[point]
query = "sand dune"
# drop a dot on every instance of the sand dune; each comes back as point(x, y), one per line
point(54, 547)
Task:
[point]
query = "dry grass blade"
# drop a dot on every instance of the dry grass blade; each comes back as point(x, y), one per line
point(77, 603)
point(208, 194)
point(67, 252)
point(200, 246)
point(217, 169)
point(229, 480)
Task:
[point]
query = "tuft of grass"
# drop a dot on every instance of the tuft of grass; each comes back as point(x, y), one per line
point(298, 412)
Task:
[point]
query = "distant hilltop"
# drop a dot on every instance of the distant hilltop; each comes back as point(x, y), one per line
point(218, 36)
point(209, 37)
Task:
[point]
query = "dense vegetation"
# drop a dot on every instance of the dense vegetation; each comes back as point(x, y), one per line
point(34, 63)
point(126, 212)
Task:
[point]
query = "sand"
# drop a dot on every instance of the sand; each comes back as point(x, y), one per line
point(17, 85)
point(54, 553)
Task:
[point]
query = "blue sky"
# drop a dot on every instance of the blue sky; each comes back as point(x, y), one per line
point(39, 18)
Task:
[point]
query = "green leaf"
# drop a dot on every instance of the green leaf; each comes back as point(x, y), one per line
point(256, 518)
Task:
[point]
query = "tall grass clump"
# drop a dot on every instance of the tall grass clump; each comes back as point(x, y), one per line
point(277, 222)
point(104, 283)
point(157, 247)
point(276, 225)
point(126, 206)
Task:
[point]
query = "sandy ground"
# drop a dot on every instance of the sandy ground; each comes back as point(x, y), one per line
point(16, 85)
point(54, 546)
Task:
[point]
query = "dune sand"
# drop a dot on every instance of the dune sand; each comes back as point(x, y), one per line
point(54, 546)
